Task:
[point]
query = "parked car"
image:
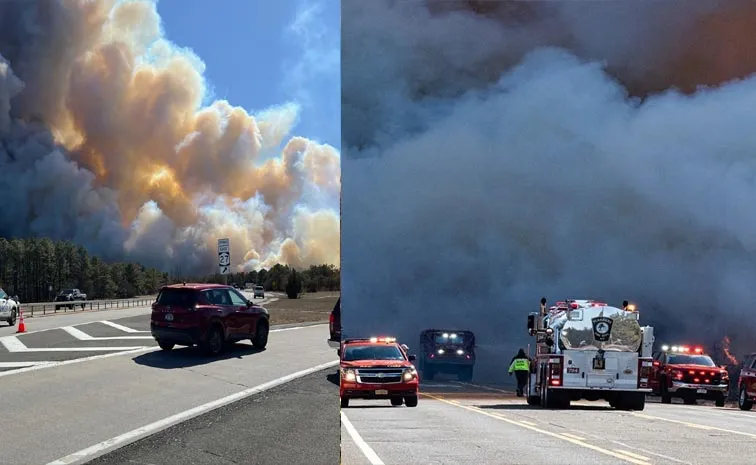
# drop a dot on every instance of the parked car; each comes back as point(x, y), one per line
point(747, 383)
point(207, 315)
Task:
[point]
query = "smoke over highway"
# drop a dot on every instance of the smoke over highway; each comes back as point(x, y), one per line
point(105, 140)
point(499, 152)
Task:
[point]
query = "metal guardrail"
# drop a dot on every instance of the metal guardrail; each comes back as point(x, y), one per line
point(46, 308)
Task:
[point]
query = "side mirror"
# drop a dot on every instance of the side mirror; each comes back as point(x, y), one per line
point(249, 303)
point(412, 358)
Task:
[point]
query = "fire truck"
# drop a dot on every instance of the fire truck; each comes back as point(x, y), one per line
point(585, 349)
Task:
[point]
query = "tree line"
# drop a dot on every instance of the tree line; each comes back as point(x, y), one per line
point(36, 269)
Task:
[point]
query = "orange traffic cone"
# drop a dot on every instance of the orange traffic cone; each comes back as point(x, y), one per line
point(21, 325)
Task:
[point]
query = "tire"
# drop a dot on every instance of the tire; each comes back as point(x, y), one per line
point(396, 401)
point(743, 402)
point(466, 374)
point(410, 401)
point(261, 335)
point(344, 402)
point(14, 314)
point(631, 401)
point(213, 344)
point(534, 400)
point(166, 345)
point(720, 400)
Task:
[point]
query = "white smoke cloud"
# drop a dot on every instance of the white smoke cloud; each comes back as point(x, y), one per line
point(467, 202)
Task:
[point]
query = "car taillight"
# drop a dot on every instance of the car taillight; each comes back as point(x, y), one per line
point(555, 371)
point(644, 372)
point(331, 321)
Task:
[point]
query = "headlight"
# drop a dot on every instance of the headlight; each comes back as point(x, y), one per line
point(440, 351)
point(348, 374)
point(409, 374)
point(460, 351)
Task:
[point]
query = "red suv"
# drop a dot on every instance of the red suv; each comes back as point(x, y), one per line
point(377, 368)
point(747, 383)
point(207, 315)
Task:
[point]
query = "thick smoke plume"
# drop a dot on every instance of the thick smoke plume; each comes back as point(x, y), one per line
point(498, 152)
point(104, 140)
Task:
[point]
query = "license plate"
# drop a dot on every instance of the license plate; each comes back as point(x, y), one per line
point(381, 392)
point(169, 317)
point(701, 391)
point(573, 370)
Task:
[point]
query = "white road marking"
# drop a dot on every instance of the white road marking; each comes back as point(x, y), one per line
point(76, 360)
point(631, 454)
point(86, 455)
point(82, 336)
point(12, 344)
point(125, 329)
point(21, 364)
point(366, 450)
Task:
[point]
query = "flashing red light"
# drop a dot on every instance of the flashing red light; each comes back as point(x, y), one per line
point(555, 382)
point(657, 363)
point(699, 350)
point(573, 305)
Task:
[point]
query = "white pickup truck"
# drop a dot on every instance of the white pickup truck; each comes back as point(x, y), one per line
point(9, 307)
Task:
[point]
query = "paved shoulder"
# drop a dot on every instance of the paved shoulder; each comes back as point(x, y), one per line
point(295, 423)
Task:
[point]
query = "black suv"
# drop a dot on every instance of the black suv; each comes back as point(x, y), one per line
point(450, 351)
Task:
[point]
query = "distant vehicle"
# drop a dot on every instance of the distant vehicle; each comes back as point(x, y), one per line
point(207, 315)
point(449, 351)
point(679, 371)
point(377, 368)
point(747, 383)
point(70, 295)
point(259, 292)
point(9, 307)
point(334, 325)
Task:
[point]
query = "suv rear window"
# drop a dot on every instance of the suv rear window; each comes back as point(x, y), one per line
point(177, 297)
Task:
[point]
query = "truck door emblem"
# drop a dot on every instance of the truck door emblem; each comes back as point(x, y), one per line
point(602, 328)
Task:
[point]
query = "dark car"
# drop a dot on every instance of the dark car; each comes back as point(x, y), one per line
point(207, 315)
point(450, 351)
point(334, 326)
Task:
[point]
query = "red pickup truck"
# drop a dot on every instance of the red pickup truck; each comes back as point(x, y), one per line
point(747, 383)
point(688, 373)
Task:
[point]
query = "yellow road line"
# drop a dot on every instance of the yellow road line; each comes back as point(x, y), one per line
point(632, 454)
point(512, 393)
point(601, 450)
point(573, 436)
point(693, 425)
point(529, 423)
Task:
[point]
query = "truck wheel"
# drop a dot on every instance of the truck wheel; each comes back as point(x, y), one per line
point(261, 335)
point(743, 402)
point(631, 401)
point(410, 401)
point(344, 402)
point(396, 401)
point(465, 374)
point(720, 400)
point(534, 400)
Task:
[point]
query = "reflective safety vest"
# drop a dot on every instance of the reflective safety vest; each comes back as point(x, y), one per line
point(519, 364)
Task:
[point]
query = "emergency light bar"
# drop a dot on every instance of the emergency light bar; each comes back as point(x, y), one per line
point(382, 339)
point(682, 349)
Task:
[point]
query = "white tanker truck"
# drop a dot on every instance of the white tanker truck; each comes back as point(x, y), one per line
point(586, 349)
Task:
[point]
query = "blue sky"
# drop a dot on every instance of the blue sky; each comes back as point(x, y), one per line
point(263, 53)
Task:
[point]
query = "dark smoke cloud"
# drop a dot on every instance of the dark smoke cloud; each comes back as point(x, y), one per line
point(104, 141)
point(498, 153)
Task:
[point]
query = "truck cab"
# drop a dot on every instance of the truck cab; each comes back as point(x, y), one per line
point(688, 373)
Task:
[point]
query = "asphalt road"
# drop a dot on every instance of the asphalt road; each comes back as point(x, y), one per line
point(457, 428)
point(79, 405)
point(271, 427)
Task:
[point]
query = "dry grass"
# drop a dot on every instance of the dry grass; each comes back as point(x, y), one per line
point(309, 308)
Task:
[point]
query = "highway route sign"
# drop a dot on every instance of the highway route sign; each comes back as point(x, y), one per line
point(224, 256)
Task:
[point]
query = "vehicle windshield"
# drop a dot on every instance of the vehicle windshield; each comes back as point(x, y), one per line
point(704, 360)
point(258, 288)
point(177, 297)
point(449, 338)
point(365, 352)
point(3, 295)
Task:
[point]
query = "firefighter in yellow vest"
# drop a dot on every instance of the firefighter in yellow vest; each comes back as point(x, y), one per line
point(521, 367)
